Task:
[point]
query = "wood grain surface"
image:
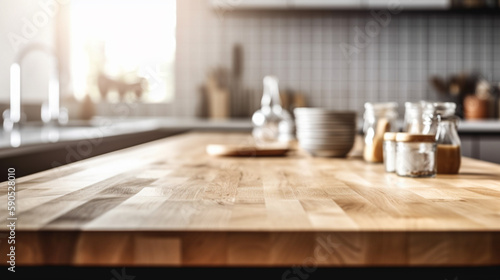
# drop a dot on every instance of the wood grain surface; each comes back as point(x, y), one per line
point(169, 203)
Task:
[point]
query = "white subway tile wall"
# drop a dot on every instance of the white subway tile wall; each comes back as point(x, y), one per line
point(303, 49)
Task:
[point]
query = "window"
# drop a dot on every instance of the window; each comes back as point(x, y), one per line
point(123, 42)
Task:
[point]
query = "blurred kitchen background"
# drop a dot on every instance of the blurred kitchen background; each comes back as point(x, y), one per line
point(320, 52)
point(303, 48)
point(201, 59)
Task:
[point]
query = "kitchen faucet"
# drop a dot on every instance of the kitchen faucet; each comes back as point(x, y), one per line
point(49, 112)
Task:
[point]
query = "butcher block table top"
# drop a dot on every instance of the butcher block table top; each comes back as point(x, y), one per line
point(169, 203)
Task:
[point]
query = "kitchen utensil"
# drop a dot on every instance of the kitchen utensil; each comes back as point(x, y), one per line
point(298, 100)
point(217, 88)
point(475, 108)
point(239, 104)
point(87, 110)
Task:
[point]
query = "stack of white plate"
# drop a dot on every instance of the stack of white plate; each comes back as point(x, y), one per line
point(324, 132)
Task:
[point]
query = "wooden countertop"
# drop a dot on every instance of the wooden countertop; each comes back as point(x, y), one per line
point(168, 203)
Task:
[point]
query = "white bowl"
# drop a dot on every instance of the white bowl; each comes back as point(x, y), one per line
point(324, 132)
point(328, 153)
point(326, 142)
point(323, 112)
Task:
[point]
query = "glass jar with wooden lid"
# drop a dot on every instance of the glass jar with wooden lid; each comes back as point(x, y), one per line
point(415, 155)
point(379, 118)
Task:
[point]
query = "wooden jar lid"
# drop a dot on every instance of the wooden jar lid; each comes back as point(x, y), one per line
point(390, 136)
point(410, 137)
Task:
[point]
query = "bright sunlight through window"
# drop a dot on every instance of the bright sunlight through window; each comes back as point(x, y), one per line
point(123, 50)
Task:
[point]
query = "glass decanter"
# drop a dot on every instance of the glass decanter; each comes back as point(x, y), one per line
point(272, 123)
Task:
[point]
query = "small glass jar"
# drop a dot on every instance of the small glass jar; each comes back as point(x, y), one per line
point(449, 155)
point(440, 119)
point(390, 151)
point(430, 114)
point(415, 155)
point(379, 118)
point(413, 121)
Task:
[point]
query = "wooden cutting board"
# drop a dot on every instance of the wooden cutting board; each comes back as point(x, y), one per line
point(246, 150)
